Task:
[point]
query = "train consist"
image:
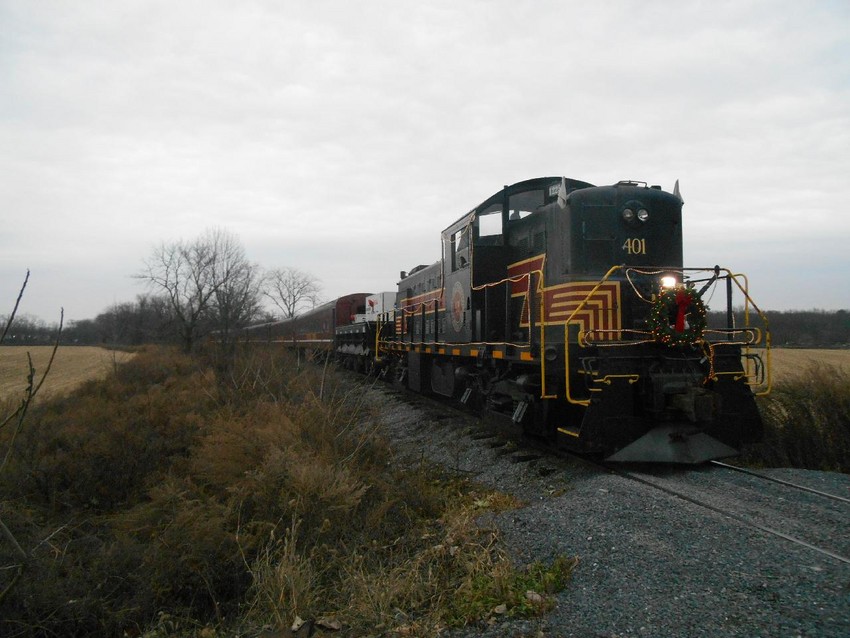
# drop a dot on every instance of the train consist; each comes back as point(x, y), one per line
point(566, 308)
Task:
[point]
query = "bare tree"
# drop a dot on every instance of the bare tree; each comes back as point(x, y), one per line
point(291, 290)
point(236, 302)
point(200, 279)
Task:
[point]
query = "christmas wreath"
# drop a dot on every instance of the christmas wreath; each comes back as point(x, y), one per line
point(677, 317)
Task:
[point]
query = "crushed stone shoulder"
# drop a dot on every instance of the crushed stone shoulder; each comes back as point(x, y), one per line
point(650, 564)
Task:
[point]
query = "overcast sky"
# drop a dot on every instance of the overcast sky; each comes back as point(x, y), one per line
point(341, 137)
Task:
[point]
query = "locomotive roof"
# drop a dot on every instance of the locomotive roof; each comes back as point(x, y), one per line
point(525, 185)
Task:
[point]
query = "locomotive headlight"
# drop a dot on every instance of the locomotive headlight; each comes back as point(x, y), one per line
point(628, 214)
point(668, 281)
point(643, 214)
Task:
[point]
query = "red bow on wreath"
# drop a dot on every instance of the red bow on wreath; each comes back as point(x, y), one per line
point(683, 301)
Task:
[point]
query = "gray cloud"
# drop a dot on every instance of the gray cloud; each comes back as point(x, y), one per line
point(341, 137)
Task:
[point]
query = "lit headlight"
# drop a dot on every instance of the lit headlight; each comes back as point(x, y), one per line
point(668, 282)
point(643, 214)
point(628, 214)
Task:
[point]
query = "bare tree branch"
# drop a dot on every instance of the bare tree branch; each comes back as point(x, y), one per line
point(15, 309)
point(18, 416)
point(30, 393)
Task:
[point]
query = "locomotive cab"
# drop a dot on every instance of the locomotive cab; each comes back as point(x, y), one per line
point(494, 257)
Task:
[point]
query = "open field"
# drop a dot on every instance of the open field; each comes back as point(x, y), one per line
point(787, 362)
point(73, 365)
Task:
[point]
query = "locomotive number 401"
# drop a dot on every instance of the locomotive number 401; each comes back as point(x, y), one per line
point(634, 246)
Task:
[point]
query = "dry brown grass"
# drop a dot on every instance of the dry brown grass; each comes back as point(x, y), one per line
point(807, 414)
point(163, 492)
point(76, 364)
point(788, 362)
point(73, 366)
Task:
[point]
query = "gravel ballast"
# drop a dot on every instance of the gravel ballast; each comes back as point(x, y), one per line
point(650, 564)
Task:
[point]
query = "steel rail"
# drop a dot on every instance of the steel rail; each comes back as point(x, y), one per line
point(737, 517)
point(781, 482)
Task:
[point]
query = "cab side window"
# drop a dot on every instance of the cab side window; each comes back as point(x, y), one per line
point(460, 249)
point(521, 205)
point(488, 226)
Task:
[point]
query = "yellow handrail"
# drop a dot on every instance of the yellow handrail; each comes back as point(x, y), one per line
point(378, 327)
point(569, 321)
point(543, 394)
point(588, 337)
point(767, 341)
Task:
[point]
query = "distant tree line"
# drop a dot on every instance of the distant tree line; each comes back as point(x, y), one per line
point(800, 328)
point(149, 319)
point(197, 288)
point(26, 329)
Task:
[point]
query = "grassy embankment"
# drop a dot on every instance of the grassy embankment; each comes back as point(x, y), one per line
point(161, 501)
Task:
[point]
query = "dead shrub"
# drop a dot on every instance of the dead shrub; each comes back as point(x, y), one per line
point(285, 581)
point(190, 561)
point(102, 447)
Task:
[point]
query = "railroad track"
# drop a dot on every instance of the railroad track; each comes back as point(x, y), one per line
point(814, 520)
point(772, 479)
point(805, 517)
point(651, 561)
